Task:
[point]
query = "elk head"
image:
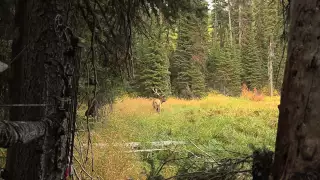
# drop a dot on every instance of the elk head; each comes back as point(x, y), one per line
point(156, 103)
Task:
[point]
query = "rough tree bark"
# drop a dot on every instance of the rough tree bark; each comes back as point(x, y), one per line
point(45, 73)
point(298, 139)
point(12, 133)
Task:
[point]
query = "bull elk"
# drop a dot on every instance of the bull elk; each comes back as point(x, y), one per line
point(156, 103)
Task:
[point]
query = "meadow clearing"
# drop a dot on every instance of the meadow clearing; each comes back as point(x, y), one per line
point(216, 123)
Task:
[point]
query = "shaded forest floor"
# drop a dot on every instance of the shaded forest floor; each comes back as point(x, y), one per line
point(216, 124)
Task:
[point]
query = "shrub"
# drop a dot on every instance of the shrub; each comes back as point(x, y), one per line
point(254, 96)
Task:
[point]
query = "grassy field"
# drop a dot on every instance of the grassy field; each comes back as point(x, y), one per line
point(214, 123)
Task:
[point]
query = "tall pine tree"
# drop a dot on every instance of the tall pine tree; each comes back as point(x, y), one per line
point(152, 63)
point(188, 62)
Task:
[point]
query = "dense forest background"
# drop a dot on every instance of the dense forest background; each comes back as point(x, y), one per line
point(219, 48)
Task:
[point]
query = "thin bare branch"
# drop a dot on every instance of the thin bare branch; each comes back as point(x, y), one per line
point(83, 169)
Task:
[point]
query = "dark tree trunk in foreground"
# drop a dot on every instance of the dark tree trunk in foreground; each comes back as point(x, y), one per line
point(297, 154)
point(41, 75)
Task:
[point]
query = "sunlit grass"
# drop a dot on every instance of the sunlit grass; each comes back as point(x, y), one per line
point(215, 122)
point(110, 162)
point(201, 120)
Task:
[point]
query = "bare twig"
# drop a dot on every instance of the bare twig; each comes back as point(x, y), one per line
point(83, 169)
point(75, 173)
point(202, 150)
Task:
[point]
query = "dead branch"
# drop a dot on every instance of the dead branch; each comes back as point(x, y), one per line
point(92, 108)
point(76, 174)
point(202, 150)
point(83, 169)
point(137, 145)
point(202, 174)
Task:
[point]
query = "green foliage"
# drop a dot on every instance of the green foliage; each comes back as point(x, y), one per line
point(197, 80)
point(151, 60)
point(109, 84)
point(218, 126)
point(214, 122)
point(2, 157)
point(251, 64)
point(189, 59)
point(228, 73)
point(254, 24)
point(198, 62)
point(201, 165)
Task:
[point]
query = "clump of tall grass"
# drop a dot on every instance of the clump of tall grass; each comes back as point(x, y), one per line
point(110, 162)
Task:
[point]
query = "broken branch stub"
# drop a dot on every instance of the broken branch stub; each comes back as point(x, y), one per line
point(3, 67)
point(20, 132)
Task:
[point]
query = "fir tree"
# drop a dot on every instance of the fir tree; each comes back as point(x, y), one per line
point(189, 60)
point(152, 63)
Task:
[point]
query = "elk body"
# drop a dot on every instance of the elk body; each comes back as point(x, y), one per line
point(157, 102)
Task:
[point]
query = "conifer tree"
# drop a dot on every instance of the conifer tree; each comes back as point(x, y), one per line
point(189, 59)
point(251, 63)
point(228, 70)
point(152, 63)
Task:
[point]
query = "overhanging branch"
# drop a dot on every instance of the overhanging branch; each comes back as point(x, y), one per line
point(12, 133)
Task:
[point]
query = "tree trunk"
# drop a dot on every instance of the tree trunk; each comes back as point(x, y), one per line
point(240, 23)
point(230, 24)
point(45, 73)
point(215, 23)
point(298, 138)
point(270, 66)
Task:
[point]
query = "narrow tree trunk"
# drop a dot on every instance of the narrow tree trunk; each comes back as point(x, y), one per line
point(270, 67)
point(230, 24)
point(298, 138)
point(40, 76)
point(240, 23)
point(215, 22)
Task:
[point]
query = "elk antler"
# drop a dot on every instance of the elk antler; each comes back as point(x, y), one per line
point(155, 91)
point(160, 90)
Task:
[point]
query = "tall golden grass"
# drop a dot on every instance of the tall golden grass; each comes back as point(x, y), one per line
point(110, 162)
point(129, 114)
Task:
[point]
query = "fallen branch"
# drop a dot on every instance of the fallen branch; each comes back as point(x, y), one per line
point(135, 145)
point(147, 150)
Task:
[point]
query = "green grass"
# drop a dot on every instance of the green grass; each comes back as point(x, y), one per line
point(215, 123)
point(230, 122)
